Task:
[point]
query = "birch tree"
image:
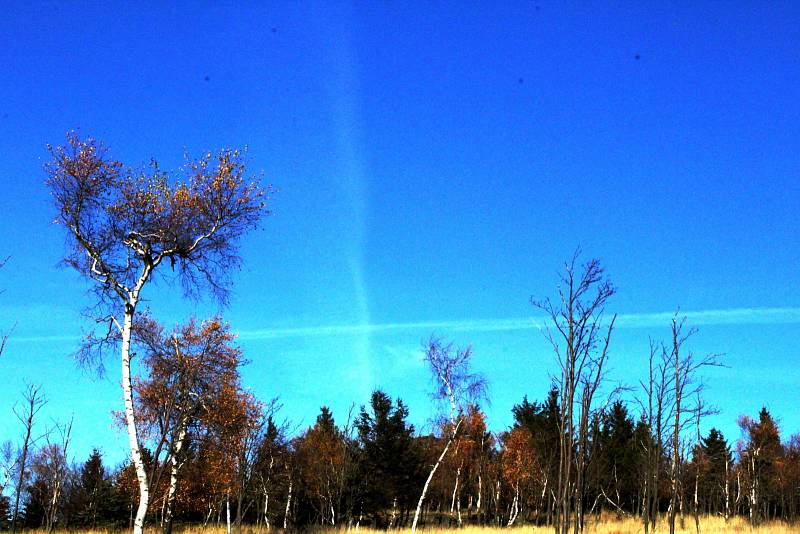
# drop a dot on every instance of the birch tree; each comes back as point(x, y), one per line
point(580, 336)
point(124, 224)
point(186, 369)
point(456, 386)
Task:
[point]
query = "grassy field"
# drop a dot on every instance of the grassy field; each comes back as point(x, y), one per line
point(708, 525)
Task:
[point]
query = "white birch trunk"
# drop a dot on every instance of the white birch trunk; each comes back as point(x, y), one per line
point(480, 492)
point(727, 492)
point(753, 489)
point(130, 420)
point(228, 513)
point(455, 491)
point(512, 514)
point(497, 502)
point(288, 505)
point(430, 477)
point(173, 473)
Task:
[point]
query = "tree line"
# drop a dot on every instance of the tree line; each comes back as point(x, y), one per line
point(245, 468)
point(205, 449)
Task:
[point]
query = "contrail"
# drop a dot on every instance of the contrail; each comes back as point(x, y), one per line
point(732, 316)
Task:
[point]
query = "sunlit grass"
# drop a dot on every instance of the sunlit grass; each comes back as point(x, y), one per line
point(708, 525)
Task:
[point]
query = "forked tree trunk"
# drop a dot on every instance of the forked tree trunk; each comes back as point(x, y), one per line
point(514, 512)
point(173, 480)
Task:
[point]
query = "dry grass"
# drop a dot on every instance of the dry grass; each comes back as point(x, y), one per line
point(708, 525)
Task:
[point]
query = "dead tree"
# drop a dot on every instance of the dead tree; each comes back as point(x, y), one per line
point(456, 386)
point(8, 462)
point(3, 334)
point(57, 466)
point(124, 224)
point(654, 409)
point(579, 335)
point(685, 385)
point(34, 402)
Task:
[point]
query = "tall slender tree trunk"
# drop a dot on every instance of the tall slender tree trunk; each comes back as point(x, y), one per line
point(175, 463)
point(455, 491)
point(266, 509)
point(130, 420)
point(697, 501)
point(23, 460)
point(727, 491)
point(673, 504)
point(512, 514)
point(34, 403)
point(430, 477)
point(288, 506)
point(228, 513)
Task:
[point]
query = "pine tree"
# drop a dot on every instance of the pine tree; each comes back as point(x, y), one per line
point(93, 499)
point(390, 465)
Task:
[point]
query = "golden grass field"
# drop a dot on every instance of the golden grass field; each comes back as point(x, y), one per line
point(708, 525)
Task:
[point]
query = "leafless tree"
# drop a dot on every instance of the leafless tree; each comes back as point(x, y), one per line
point(3, 334)
point(455, 385)
point(8, 462)
point(580, 336)
point(654, 410)
point(685, 385)
point(53, 468)
point(124, 224)
point(34, 402)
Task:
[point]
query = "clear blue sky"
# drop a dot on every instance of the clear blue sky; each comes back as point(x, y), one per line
point(436, 164)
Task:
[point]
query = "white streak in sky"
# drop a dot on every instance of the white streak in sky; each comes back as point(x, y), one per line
point(350, 175)
point(734, 316)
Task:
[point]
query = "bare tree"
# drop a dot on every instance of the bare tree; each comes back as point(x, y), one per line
point(34, 402)
point(53, 468)
point(654, 411)
point(123, 224)
point(580, 336)
point(685, 385)
point(3, 334)
point(455, 385)
point(8, 462)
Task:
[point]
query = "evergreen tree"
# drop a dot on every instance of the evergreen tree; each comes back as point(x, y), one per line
point(390, 465)
point(717, 454)
point(35, 504)
point(541, 420)
point(615, 458)
point(93, 498)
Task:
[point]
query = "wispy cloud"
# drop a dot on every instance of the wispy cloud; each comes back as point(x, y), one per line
point(734, 316)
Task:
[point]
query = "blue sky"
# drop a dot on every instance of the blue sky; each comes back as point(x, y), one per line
point(436, 165)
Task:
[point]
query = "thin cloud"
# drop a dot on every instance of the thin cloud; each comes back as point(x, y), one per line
point(735, 316)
